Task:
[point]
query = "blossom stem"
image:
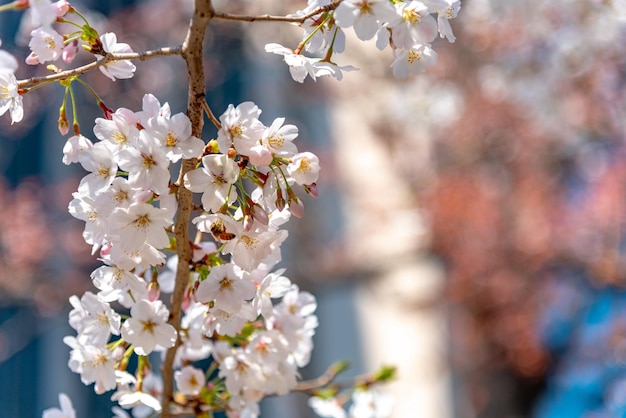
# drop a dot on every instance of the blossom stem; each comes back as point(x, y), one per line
point(91, 90)
point(313, 32)
point(74, 111)
point(9, 6)
point(77, 13)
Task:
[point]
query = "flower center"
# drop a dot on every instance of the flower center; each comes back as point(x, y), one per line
point(142, 222)
point(249, 242)
point(365, 7)
point(148, 161)
point(410, 15)
point(226, 284)
point(148, 326)
point(414, 56)
point(119, 137)
point(50, 41)
point(171, 140)
point(276, 141)
point(236, 131)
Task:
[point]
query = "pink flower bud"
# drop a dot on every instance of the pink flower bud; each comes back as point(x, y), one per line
point(280, 203)
point(296, 207)
point(105, 250)
point(311, 189)
point(107, 111)
point(186, 300)
point(260, 155)
point(63, 125)
point(260, 215)
point(61, 8)
point(32, 59)
point(153, 291)
point(70, 51)
point(248, 223)
point(143, 196)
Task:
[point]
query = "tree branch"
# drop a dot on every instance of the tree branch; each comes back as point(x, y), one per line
point(109, 58)
point(270, 18)
point(192, 52)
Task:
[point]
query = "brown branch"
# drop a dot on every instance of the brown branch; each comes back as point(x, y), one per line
point(270, 18)
point(210, 115)
point(323, 380)
point(109, 58)
point(192, 52)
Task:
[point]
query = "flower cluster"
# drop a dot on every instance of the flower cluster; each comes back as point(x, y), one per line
point(46, 44)
point(228, 307)
point(407, 26)
point(127, 205)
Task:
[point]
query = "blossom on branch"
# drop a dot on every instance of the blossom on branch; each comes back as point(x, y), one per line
point(118, 69)
point(147, 327)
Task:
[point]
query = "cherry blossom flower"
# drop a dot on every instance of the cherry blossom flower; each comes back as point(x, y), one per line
point(413, 61)
point(117, 284)
point(364, 16)
point(301, 66)
point(99, 161)
point(241, 128)
point(304, 168)
point(128, 396)
point(174, 134)
point(227, 286)
point(10, 99)
point(446, 10)
point(189, 380)
point(84, 207)
point(214, 180)
point(249, 249)
point(273, 285)
point(93, 319)
point(119, 194)
point(151, 108)
point(94, 364)
point(146, 164)
point(117, 69)
point(278, 138)
point(228, 323)
point(147, 327)
point(46, 45)
point(121, 130)
point(66, 411)
point(141, 223)
point(73, 146)
point(142, 257)
point(414, 25)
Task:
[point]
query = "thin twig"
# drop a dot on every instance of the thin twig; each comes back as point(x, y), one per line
point(107, 59)
point(210, 115)
point(270, 18)
point(323, 380)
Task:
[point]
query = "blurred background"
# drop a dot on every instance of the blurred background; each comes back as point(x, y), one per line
point(470, 225)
